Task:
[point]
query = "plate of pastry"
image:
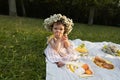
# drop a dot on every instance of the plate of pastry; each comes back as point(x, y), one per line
point(103, 63)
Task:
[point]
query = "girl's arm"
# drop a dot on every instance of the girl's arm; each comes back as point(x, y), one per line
point(66, 41)
point(55, 44)
point(66, 44)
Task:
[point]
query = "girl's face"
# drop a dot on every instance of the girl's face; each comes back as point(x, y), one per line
point(58, 30)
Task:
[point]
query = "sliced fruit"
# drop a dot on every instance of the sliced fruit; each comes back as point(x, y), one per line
point(85, 66)
point(88, 72)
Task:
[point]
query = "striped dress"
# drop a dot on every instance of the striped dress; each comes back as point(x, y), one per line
point(54, 56)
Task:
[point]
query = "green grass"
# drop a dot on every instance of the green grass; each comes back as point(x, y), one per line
point(96, 33)
point(23, 40)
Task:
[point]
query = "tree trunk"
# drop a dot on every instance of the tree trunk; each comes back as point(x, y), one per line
point(23, 8)
point(91, 15)
point(12, 8)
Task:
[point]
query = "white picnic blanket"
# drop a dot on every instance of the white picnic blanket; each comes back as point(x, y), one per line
point(94, 48)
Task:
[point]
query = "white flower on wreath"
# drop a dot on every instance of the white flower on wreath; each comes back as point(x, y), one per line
point(48, 22)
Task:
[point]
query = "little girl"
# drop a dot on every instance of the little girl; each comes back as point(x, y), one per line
point(59, 49)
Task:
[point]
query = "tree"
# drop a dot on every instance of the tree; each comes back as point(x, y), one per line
point(93, 4)
point(23, 8)
point(12, 8)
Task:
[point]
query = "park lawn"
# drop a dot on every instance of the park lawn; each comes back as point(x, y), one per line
point(23, 40)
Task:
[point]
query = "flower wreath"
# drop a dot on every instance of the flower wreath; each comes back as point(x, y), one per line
point(48, 22)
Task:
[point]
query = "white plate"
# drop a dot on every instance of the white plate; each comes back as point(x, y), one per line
point(79, 64)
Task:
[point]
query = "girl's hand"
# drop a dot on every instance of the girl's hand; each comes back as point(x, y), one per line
point(65, 37)
point(60, 64)
point(66, 41)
